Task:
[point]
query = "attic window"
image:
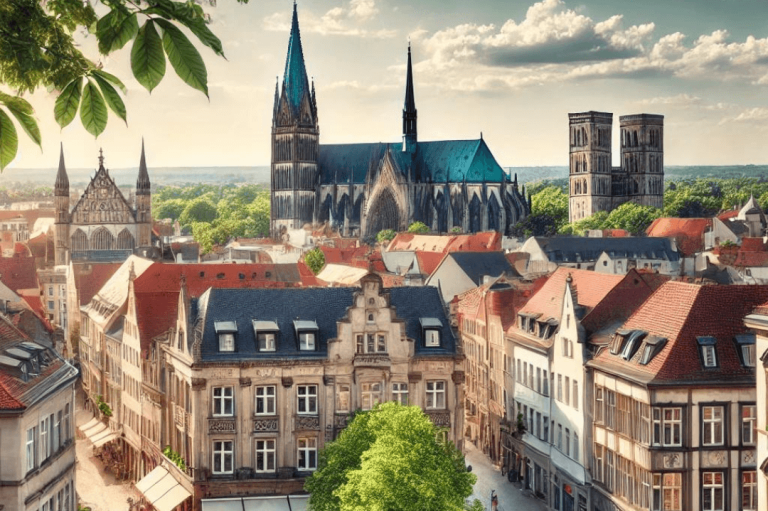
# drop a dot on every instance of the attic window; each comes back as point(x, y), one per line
point(632, 344)
point(651, 348)
point(707, 350)
point(202, 274)
point(219, 275)
point(431, 328)
point(226, 330)
point(306, 331)
point(746, 347)
point(618, 341)
point(266, 335)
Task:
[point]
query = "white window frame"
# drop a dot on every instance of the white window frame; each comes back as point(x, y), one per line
point(45, 443)
point(710, 486)
point(307, 341)
point(400, 393)
point(268, 339)
point(306, 456)
point(222, 449)
point(748, 424)
point(748, 354)
point(57, 432)
point(31, 451)
point(265, 447)
point(267, 396)
point(370, 395)
point(435, 395)
point(227, 342)
point(749, 490)
point(709, 425)
point(225, 395)
point(432, 338)
point(709, 355)
point(664, 420)
point(343, 397)
point(306, 398)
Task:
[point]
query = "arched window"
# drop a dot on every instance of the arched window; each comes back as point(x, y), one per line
point(634, 138)
point(79, 241)
point(584, 134)
point(102, 239)
point(125, 240)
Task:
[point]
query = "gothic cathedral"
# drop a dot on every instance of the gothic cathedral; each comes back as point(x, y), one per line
point(103, 226)
point(595, 185)
point(360, 189)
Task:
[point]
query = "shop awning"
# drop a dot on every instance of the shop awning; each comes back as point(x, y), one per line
point(267, 503)
point(104, 439)
point(162, 490)
point(96, 431)
point(91, 423)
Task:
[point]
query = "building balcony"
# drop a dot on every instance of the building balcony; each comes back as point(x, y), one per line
point(440, 418)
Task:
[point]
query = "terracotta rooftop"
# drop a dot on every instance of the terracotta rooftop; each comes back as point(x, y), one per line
point(478, 242)
point(89, 278)
point(681, 312)
point(688, 232)
point(18, 272)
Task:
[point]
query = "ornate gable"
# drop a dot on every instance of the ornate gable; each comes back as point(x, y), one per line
point(306, 114)
point(102, 203)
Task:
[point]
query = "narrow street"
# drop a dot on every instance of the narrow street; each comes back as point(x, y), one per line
point(96, 488)
point(490, 478)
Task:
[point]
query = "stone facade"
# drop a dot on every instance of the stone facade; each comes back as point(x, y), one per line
point(360, 189)
point(103, 225)
point(595, 185)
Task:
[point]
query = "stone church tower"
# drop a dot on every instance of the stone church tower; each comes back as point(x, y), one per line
point(143, 204)
point(295, 139)
point(594, 184)
point(61, 205)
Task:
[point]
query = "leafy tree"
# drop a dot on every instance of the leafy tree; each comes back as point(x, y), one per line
point(199, 210)
point(390, 459)
point(315, 259)
point(535, 225)
point(169, 209)
point(418, 228)
point(552, 202)
point(579, 228)
point(386, 235)
point(38, 49)
point(203, 234)
point(632, 218)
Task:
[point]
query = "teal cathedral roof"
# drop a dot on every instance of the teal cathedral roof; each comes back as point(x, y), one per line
point(295, 80)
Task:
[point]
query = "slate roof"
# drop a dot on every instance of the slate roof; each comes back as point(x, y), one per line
point(325, 306)
point(681, 312)
point(567, 249)
point(453, 160)
point(477, 265)
point(688, 232)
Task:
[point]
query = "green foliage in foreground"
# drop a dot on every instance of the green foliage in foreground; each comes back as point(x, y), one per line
point(629, 216)
point(315, 259)
point(386, 235)
point(215, 214)
point(418, 228)
point(390, 459)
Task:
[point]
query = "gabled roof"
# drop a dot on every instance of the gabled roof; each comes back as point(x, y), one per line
point(439, 161)
point(100, 180)
point(591, 289)
point(575, 249)
point(477, 265)
point(681, 312)
point(91, 277)
point(443, 243)
point(325, 306)
point(18, 272)
point(429, 261)
point(688, 232)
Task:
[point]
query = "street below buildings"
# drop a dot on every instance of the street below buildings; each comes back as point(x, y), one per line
point(96, 488)
point(511, 498)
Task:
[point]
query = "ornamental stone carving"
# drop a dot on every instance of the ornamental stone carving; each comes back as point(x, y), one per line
point(245, 382)
point(441, 419)
point(308, 422)
point(673, 460)
point(221, 426)
point(414, 377)
point(714, 458)
point(287, 382)
point(748, 457)
point(266, 425)
point(362, 360)
point(340, 421)
point(198, 383)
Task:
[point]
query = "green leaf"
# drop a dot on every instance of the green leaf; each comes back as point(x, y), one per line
point(67, 102)
point(17, 102)
point(115, 30)
point(184, 57)
point(114, 80)
point(114, 101)
point(9, 140)
point(29, 125)
point(190, 15)
point(147, 59)
point(93, 110)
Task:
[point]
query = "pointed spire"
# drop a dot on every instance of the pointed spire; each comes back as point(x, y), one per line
point(142, 183)
point(409, 110)
point(410, 102)
point(61, 188)
point(295, 81)
point(277, 100)
point(101, 158)
point(314, 98)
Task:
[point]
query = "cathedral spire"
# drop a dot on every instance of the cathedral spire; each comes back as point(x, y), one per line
point(295, 80)
point(409, 110)
point(142, 183)
point(277, 100)
point(62, 181)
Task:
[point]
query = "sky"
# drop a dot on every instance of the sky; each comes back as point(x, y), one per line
point(511, 70)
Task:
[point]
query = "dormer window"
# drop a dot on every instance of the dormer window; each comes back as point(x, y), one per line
point(632, 344)
point(618, 341)
point(746, 347)
point(431, 328)
point(651, 347)
point(226, 330)
point(707, 351)
point(306, 331)
point(266, 335)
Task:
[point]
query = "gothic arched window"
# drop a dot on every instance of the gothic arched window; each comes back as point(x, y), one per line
point(102, 239)
point(79, 241)
point(125, 240)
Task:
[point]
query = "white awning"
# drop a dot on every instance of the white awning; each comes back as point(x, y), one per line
point(162, 490)
point(265, 503)
point(91, 423)
point(104, 433)
point(230, 504)
point(277, 503)
point(93, 432)
point(104, 439)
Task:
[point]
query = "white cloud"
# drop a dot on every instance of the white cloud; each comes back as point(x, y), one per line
point(556, 43)
point(343, 21)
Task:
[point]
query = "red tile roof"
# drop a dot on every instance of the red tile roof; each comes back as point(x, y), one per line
point(687, 232)
point(591, 289)
point(91, 277)
point(733, 213)
point(681, 312)
point(18, 272)
point(615, 233)
point(429, 261)
point(478, 242)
